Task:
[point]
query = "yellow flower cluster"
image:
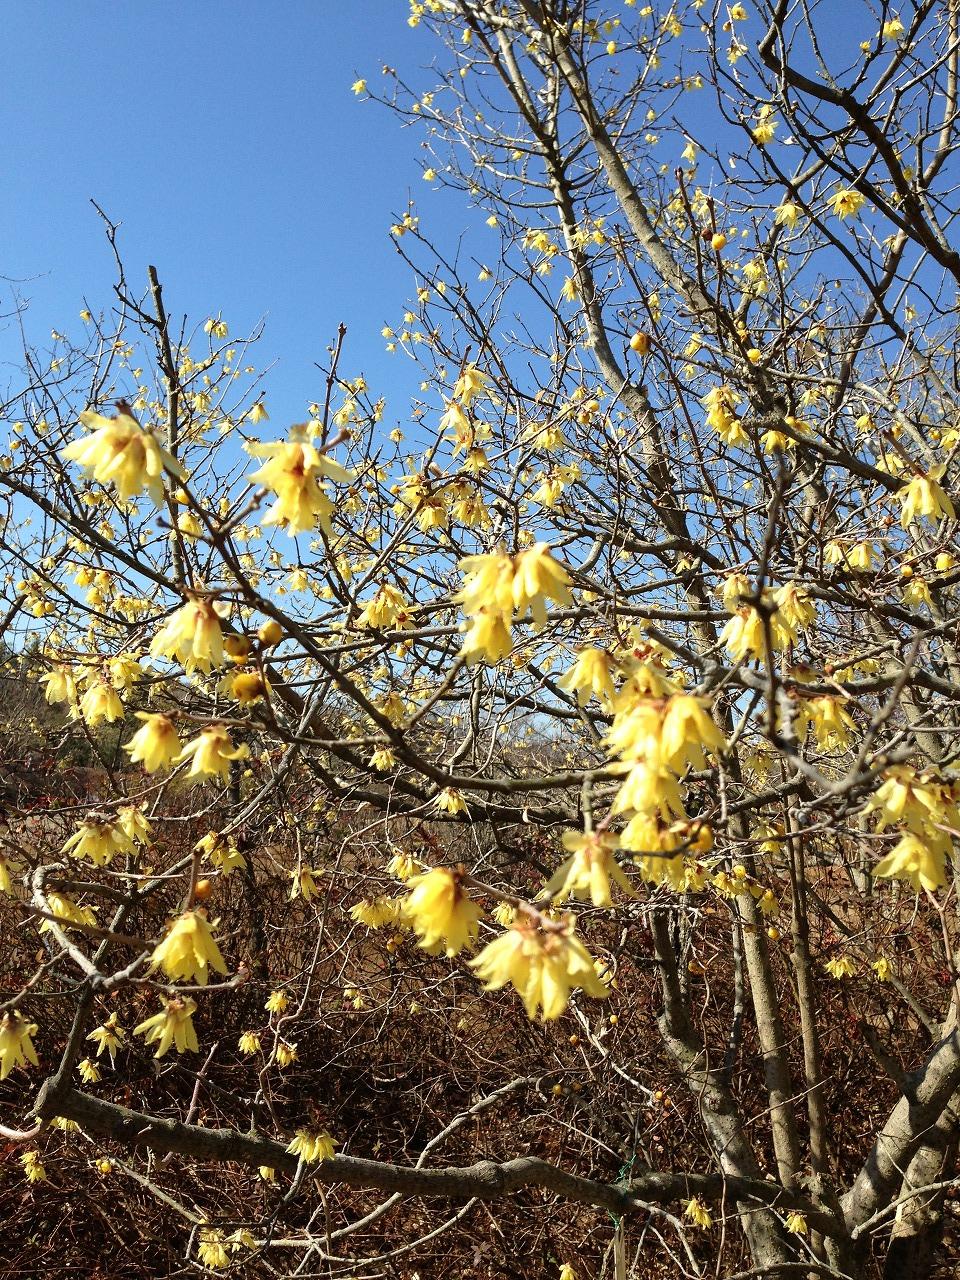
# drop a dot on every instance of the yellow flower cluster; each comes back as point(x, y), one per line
point(101, 841)
point(789, 609)
point(721, 405)
point(192, 636)
point(500, 589)
point(312, 1147)
point(923, 805)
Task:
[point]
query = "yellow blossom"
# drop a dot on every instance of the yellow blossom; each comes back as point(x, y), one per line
point(698, 1213)
point(440, 911)
point(108, 1037)
point(16, 1042)
point(312, 1147)
point(100, 702)
point(189, 950)
point(249, 1043)
point(172, 1025)
point(211, 753)
point(921, 862)
point(155, 744)
point(589, 869)
point(119, 452)
point(846, 202)
point(33, 1166)
point(293, 471)
point(192, 636)
point(543, 966)
point(590, 676)
point(923, 496)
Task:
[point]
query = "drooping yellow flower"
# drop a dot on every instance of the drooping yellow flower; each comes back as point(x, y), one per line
point(67, 912)
point(192, 636)
point(312, 1147)
point(472, 382)
point(100, 702)
point(923, 496)
point(277, 1002)
point(451, 801)
point(16, 1042)
point(487, 583)
point(33, 1166)
point(377, 912)
point(831, 721)
point(841, 967)
point(119, 452)
point(590, 676)
point(249, 1043)
point(156, 743)
point(846, 202)
point(173, 1025)
point(304, 883)
point(387, 608)
point(60, 685)
point(212, 1250)
point(248, 687)
point(698, 1213)
point(211, 752)
point(108, 1037)
point(294, 471)
point(89, 1071)
point(788, 211)
point(882, 968)
point(99, 842)
point(538, 577)
point(649, 789)
point(488, 637)
point(688, 731)
point(189, 950)
point(440, 912)
point(796, 1223)
point(589, 869)
point(921, 862)
point(721, 404)
point(543, 966)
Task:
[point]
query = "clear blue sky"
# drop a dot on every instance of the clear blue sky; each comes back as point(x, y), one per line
point(226, 140)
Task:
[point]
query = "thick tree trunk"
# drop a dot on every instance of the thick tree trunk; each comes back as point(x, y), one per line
point(918, 1230)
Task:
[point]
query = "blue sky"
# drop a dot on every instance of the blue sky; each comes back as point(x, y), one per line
point(226, 140)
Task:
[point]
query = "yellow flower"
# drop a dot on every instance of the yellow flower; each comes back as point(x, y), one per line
point(543, 967)
point(285, 1053)
point(312, 1147)
point(108, 1037)
point(882, 968)
point(831, 722)
point(450, 801)
point(247, 687)
point(304, 884)
point(846, 202)
point(277, 1002)
point(67, 912)
point(60, 685)
point(589, 869)
point(440, 911)
point(488, 637)
point(796, 1223)
point(688, 731)
point(698, 1213)
point(33, 1167)
point(386, 607)
point(471, 383)
point(211, 1249)
point(89, 1071)
point(172, 1025)
point(788, 211)
point(382, 759)
point(98, 841)
point(155, 744)
point(359, 86)
point(538, 577)
point(119, 452)
point(100, 702)
point(249, 1043)
point(590, 676)
point(16, 1042)
point(841, 967)
point(211, 752)
point(189, 950)
point(921, 862)
point(923, 496)
point(648, 789)
point(192, 635)
point(293, 471)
